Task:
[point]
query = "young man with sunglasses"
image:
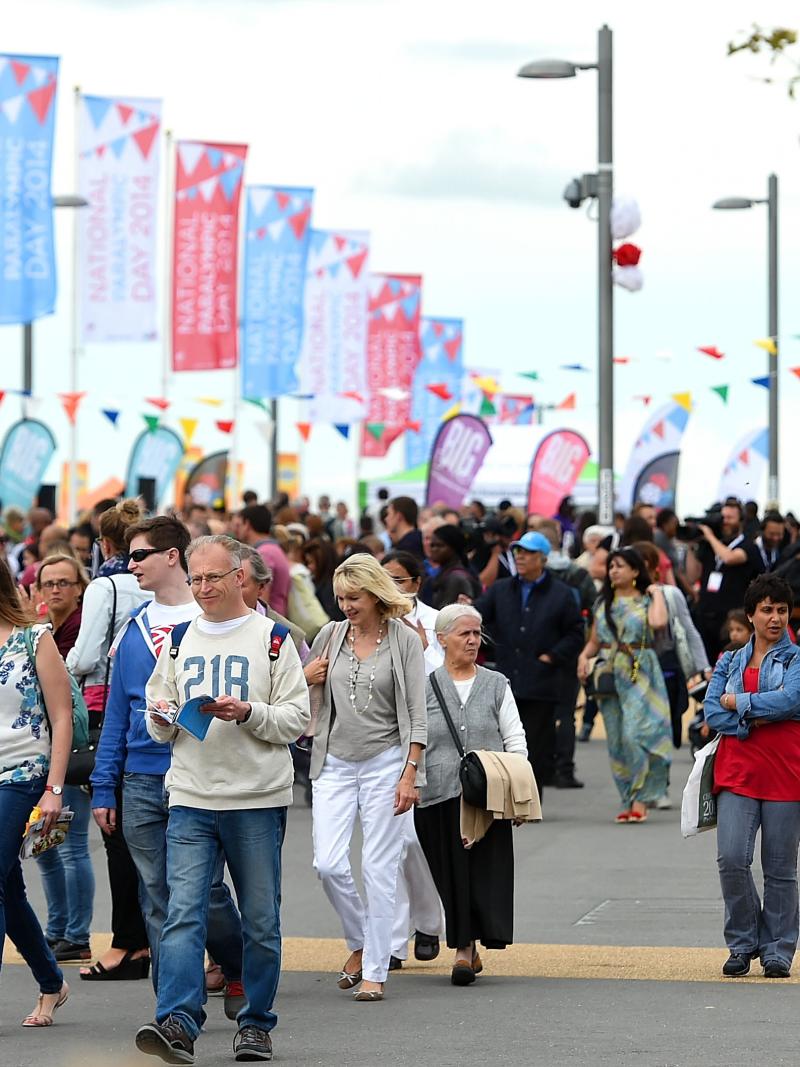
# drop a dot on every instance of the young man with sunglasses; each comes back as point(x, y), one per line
point(129, 758)
point(228, 794)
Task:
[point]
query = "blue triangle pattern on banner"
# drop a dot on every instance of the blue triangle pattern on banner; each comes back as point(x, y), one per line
point(318, 239)
point(230, 181)
point(118, 146)
point(333, 269)
point(679, 417)
point(761, 444)
point(395, 286)
point(191, 192)
point(410, 305)
point(98, 108)
point(214, 157)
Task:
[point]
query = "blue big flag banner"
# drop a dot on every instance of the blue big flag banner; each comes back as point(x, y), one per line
point(277, 233)
point(27, 120)
point(442, 364)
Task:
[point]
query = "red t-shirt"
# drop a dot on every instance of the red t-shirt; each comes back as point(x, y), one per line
point(767, 765)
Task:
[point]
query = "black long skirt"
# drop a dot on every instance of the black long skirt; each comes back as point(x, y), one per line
point(476, 884)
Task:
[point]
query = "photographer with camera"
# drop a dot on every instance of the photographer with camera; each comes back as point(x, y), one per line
point(493, 558)
point(729, 563)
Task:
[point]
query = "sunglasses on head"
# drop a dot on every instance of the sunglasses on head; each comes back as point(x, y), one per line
point(140, 554)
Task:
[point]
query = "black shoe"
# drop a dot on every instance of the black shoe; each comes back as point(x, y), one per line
point(426, 946)
point(71, 952)
point(462, 974)
point(776, 969)
point(168, 1040)
point(737, 965)
point(395, 963)
point(252, 1043)
point(567, 781)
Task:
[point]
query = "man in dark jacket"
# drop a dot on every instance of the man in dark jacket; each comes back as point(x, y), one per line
point(538, 634)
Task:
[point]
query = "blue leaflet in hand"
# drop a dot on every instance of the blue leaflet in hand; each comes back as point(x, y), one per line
point(191, 719)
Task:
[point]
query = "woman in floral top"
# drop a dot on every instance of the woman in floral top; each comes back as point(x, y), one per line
point(33, 762)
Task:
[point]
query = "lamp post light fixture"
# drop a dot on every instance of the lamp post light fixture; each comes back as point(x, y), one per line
point(600, 185)
point(742, 203)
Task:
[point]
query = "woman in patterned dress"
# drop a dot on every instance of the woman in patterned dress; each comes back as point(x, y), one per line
point(636, 715)
point(33, 762)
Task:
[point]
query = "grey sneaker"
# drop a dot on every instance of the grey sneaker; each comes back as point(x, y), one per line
point(251, 1044)
point(168, 1040)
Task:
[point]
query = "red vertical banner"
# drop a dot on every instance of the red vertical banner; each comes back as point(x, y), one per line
point(393, 352)
point(208, 184)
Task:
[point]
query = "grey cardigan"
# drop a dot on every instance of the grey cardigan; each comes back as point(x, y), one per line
point(477, 723)
point(408, 668)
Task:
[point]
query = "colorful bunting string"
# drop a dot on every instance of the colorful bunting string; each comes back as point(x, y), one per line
point(375, 429)
point(304, 429)
point(159, 402)
point(440, 389)
point(532, 374)
point(188, 428)
point(71, 402)
point(568, 403)
point(768, 344)
point(343, 428)
point(763, 381)
point(684, 400)
point(112, 414)
point(152, 421)
point(711, 350)
point(224, 425)
point(721, 391)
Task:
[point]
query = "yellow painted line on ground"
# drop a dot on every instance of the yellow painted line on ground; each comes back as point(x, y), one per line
point(623, 963)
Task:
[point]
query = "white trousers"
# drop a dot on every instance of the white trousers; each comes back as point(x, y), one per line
point(344, 790)
point(418, 906)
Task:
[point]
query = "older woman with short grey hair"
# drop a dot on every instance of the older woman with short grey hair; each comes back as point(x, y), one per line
point(476, 885)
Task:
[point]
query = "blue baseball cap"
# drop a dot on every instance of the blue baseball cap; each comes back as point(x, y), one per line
point(533, 542)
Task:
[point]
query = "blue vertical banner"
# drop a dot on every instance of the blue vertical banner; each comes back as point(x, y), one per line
point(277, 235)
point(27, 121)
point(437, 383)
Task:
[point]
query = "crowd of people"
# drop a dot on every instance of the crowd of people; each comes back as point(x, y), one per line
point(369, 660)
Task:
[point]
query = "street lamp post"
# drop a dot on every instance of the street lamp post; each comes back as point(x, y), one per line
point(741, 203)
point(557, 68)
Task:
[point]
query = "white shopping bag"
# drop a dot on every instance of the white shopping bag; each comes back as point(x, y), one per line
point(699, 804)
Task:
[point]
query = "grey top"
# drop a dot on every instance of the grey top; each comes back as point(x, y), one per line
point(408, 673)
point(477, 723)
point(361, 734)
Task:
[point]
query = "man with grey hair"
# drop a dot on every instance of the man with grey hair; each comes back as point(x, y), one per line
point(227, 793)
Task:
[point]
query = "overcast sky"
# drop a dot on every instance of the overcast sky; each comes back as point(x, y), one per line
point(408, 120)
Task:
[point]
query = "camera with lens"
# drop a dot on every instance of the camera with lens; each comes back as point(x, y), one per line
point(689, 531)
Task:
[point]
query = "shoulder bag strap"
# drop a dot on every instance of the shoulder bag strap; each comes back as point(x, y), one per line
point(111, 625)
point(451, 725)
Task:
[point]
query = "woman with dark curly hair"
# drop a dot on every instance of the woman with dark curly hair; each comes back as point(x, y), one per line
point(636, 713)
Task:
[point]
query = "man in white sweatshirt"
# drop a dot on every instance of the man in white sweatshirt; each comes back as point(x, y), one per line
point(227, 793)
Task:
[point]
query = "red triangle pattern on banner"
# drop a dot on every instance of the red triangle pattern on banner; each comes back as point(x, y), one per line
point(300, 221)
point(21, 71)
point(438, 328)
point(283, 200)
point(355, 263)
point(452, 347)
point(744, 456)
point(658, 430)
point(340, 242)
point(41, 99)
point(144, 139)
point(125, 113)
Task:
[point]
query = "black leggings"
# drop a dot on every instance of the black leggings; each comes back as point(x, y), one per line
point(127, 925)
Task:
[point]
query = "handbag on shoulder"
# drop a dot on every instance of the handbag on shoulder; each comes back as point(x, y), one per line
point(471, 772)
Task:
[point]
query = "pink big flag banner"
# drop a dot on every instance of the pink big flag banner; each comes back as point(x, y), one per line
point(118, 171)
point(557, 464)
point(333, 359)
point(208, 185)
point(456, 457)
point(393, 354)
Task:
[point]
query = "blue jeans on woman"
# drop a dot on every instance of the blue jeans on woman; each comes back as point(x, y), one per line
point(769, 931)
point(68, 877)
point(251, 841)
point(17, 917)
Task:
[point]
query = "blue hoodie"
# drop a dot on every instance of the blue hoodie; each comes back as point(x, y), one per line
point(124, 741)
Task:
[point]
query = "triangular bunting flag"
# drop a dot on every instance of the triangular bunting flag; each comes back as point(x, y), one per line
point(768, 344)
point(375, 429)
point(352, 395)
point(684, 400)
point(98, 107)
point(414, 425)
point(343, 428)
point(567, 404)
point(11, 107)
point(125, 113)
point(645, 399)
point(487, 407)
point(764, 381)
point(111, 414)
point(118, 146)
point(721, 391)
point(152, 422)
point(795, 371)
point(440, 389)
point(2, 394)
point(452, 348)
point(744, 457)
point(188, 427)
point(256, 402)
point(20, 70)
point(574, 366)
point(144, 139)
point(451, 412)
point(711, 350)
point(356, 262)
point(300, 221)
point(41, 99)
point(158, 402)
point(224, 425)
point(71, 402)
point(532, 374)
point(214, 157)
point(229, 180)
point(658, 429)
point(283, 200)
point(212, 401)
point(305, 429)
point(486, 385)
point(190, 153)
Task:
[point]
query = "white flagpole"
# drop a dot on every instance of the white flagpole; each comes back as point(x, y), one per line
point(72, 476)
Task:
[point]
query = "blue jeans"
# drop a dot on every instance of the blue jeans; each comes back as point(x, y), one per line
point(17, 917)
point(67, 876)
point(145, 814)
point(770, 931)
point(250, 840)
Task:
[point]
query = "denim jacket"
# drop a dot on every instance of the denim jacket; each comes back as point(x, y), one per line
point(778, 696)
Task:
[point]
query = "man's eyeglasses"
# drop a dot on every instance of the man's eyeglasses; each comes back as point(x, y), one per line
point(62, 583)
point(196, 580)
point(140, 554)
point(402, 581)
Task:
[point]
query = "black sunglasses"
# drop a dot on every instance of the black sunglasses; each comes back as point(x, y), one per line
point(139, 554)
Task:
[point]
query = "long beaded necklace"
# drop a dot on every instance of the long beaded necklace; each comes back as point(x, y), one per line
point(355, 667)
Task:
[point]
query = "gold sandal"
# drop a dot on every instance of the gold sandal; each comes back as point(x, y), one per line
point(347, 980)
point(39, 1017)
point(368, 996)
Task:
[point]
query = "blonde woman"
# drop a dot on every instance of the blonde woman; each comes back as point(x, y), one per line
point(366, 759)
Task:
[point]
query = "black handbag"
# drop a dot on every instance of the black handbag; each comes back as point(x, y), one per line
point(471, 772)
point(81, 760)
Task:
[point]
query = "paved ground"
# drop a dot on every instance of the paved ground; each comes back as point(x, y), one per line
point(617, 961)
